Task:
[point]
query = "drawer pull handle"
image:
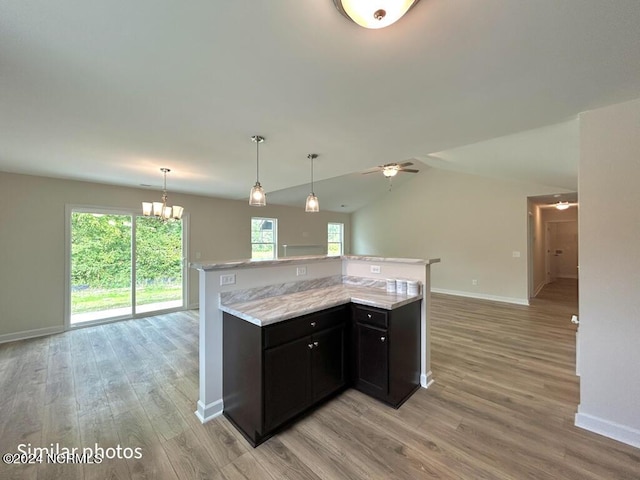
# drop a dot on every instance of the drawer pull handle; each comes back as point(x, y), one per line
point(313, 324)
point(315, 344)
point(382, 339)
point(310, 345)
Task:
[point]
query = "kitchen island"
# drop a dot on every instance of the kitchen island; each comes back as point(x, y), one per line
point(263, 294)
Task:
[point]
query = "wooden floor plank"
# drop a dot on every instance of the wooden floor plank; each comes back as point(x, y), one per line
point(502, 406)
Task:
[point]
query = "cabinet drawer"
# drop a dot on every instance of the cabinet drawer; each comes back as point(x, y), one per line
point(370, 316)
point(290, 330)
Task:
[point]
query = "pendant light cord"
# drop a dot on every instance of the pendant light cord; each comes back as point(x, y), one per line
point(257, 161)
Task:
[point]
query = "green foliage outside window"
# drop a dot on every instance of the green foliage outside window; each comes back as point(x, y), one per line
point(101, 251)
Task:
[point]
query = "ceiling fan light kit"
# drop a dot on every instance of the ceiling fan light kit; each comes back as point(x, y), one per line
point(161, 210)
point(374, 13)
point(257, 197)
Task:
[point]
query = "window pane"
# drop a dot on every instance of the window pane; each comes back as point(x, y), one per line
point(335, 239)
point(263, 238)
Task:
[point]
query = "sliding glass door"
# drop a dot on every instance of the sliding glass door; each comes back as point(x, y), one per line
point(158, 264)
point(123, 265)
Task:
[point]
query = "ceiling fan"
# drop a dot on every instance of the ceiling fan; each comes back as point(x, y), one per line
point(391, 169)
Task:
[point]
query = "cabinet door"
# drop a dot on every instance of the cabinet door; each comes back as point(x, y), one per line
point(286, 381)
point(328, 362)
point(372, 360)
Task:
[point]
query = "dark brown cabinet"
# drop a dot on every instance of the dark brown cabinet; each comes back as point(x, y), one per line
point(387, 352)
point(275, 373)
point(272, 374)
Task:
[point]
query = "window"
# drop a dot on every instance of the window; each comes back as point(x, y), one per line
point(335, 239)
point(264, 238)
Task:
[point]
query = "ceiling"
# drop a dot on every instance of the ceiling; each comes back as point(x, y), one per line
point(112, 90)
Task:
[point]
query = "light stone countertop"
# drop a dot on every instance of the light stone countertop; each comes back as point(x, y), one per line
point(248, 263)
point(267, 311)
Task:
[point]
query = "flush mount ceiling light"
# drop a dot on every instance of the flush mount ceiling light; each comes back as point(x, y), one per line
point(257, 197)
point(374, 13)
point(312, 204)
point(562, 205)
point(160, 209)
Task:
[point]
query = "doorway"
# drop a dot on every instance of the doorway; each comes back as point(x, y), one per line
point(122, 265)
point(553, 241)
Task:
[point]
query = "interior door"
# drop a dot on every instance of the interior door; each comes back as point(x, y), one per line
point(551, 244)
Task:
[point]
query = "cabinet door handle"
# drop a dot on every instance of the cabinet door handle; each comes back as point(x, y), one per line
point(315, 344)
point(313, 324)
point(382, 339)
point(310, 345)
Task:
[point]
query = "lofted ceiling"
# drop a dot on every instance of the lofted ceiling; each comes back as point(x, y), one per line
point(112, 90)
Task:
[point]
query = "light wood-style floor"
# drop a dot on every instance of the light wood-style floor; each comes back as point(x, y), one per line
point(502, 406)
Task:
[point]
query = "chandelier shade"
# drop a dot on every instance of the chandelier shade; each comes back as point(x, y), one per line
point(374, 13)
point(160, 209)
point(257, 197)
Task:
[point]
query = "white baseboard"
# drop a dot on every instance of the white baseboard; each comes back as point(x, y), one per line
point(193, 306)
point(482, 296)
point(426, 379)
point(208, 412)
point(38, 332)
point(618, 432)
point(539, 289)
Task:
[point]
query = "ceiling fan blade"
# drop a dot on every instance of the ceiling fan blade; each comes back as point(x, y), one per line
point(366, 172)
point(405, 164)
point(409, 170)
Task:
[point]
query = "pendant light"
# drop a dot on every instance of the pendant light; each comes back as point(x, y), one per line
point(257, 197)
point(160, 209)
point(374, 13)
point(312, 204)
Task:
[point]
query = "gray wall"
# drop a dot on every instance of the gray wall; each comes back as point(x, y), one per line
point(473, 223)
point(32, 239)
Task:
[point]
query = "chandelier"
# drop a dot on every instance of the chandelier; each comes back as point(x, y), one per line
point(160, 209)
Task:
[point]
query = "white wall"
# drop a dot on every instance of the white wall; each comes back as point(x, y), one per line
point(473, 223)
point(32, 248)
point(610, 271)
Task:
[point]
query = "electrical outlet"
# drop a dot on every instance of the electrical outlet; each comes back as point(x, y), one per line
point(474, 282)
point(228, 279)
point(301, 271)
point(375, 268)
point(516, 254)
